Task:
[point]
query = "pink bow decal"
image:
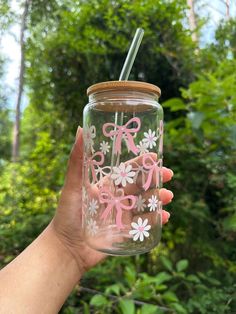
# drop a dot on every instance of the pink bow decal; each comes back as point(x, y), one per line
point(102, 172)
point(115, 201)
point(123, 130)
point(139, 171)
point(153, 167)
point(91, 162)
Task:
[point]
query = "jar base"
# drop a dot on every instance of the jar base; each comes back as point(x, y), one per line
point(122, 253)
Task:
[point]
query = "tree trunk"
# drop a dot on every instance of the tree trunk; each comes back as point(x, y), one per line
point(227, 9)
point(16, 127)
point(192, 20)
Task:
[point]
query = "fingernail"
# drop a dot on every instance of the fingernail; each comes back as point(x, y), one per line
point(172, 173)
point(170, 193)
point(77, 132)
point(169, 170)
point(165, 216)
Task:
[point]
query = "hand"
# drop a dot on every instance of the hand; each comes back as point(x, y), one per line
point(67, 223)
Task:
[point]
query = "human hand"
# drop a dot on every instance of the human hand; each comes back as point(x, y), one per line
point(67, 223)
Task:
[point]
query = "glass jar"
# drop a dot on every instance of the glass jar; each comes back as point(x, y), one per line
point(123, 139)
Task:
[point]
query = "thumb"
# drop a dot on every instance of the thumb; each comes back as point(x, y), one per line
point(73, 179)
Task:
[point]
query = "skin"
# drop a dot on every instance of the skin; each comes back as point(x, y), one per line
point(41, 278)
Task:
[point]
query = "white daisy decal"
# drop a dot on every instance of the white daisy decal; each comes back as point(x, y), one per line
point(123, 174)
point(89, 135)
point(92, 227)
point(104, 147)
point(150, 138)
point(93, 206)
point(140, 203)
point(152, 203)
point(140, 229)
point(142, 147)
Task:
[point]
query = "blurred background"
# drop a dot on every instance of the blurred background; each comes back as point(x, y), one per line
point(51, 51)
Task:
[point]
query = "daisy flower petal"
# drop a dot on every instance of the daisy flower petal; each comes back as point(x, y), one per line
point(136, 236)
point(123, 174)
point(139, 231)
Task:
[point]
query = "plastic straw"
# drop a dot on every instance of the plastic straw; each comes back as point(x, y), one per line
point(129, 61)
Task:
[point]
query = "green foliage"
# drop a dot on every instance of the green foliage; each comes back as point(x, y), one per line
point(72, 44)
point(28, 195)
point(6, 15)
point(79, 46)
point(5, 134)
point(167, 291)
point(99, 301)
point(127, 306)
point(5, 122)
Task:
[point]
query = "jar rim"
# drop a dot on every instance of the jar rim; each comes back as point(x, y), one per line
point(124, 85)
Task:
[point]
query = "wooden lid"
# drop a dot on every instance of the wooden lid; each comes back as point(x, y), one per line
point(124, 85)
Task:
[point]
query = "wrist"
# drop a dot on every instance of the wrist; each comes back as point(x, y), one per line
point(65, 250)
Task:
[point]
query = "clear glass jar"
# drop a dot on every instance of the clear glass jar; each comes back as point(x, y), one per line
point(123, 139)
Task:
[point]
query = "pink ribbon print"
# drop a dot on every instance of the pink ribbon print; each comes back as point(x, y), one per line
point(114, 201)
point(153, 167)
point(123, 130)
point(139, 170)
point(92, 162)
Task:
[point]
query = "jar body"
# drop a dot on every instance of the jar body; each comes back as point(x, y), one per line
point(123, 139)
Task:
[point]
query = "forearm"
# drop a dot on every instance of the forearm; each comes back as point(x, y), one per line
point(40, 279)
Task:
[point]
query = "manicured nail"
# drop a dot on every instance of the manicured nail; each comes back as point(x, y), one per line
point(172, 173)
point(168, 173)
point(165, 216)
point(77, 132)
point(169, 193)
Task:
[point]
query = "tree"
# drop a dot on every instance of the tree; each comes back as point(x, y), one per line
point(6, 17)
point(16, 129)
point(72, 44)
point(202, 140)
point(192, 20)
point(74, 48)
point(5, 130)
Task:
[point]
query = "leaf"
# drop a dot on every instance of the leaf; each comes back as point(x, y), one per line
point(179, 308)
point(127, 306)
point(213, 281)
point(130, 275)
point(175, 104)
point(162, 277)
point(161, 287)
point(196, 119)
point(229, 223)
point(98, 300)
point(170, 296)
point(158, 279)
point(86, 308)
point(149, 309)
point(167, 263)
point(182, 265)
point(113, 289)
point(193, 278)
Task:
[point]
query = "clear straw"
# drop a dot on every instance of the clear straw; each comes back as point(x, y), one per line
point(129, 61)
point(124, 75)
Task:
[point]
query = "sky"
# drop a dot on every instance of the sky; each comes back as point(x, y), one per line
point(10, 48)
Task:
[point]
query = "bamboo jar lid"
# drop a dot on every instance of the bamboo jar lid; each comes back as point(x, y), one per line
point(124, 85)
